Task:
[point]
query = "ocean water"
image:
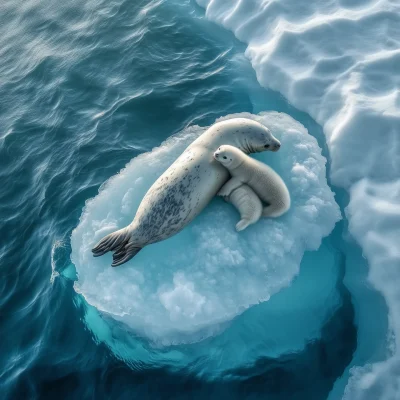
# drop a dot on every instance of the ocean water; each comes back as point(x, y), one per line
point(86, 88)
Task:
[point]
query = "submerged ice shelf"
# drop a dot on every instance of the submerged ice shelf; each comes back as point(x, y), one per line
point(340, 62)
point(185, 288)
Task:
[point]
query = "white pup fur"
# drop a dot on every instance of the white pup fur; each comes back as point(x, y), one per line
point(248, 204)
point(265, 182)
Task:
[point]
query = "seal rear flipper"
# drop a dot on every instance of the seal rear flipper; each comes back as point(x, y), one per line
point(242, 224)
point(111, 242)
point(124, 254)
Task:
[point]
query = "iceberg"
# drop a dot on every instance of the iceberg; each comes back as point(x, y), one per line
point(190, 286)
point(339, 61)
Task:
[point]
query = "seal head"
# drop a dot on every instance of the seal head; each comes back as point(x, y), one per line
point(229, 156)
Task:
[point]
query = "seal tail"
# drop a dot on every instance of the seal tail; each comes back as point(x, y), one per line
point(124, 254)
point(111, 242)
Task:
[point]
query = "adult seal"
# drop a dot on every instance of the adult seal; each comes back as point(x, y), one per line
point(185, 188)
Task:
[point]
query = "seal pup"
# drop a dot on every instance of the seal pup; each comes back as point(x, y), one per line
point(185, 188)
point(265, 182)
point(248, 204)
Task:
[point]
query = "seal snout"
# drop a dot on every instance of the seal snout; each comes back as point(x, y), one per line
point(275, 147)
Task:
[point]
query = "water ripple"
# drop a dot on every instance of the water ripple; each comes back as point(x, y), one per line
point(85, 88)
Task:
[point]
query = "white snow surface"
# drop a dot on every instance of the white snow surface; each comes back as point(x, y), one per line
point(339, 60)
point(185, 288)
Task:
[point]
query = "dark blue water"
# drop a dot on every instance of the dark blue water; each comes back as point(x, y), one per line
point(85, 87)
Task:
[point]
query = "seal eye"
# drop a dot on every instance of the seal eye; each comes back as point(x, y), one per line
point(266, 146)
point(224, 157)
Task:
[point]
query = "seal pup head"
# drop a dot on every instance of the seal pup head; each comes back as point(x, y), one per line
point(248, 135)
point(229, 156)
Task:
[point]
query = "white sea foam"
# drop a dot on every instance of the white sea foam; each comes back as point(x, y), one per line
point(176, 290)
point(339, 60)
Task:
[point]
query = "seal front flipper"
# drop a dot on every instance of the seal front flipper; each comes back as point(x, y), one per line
point(229, 187)
point(124, 254)
point(111, 242)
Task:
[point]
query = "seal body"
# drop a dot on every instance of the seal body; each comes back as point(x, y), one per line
point(185, 188)
point(248, 204)
point(265, 182)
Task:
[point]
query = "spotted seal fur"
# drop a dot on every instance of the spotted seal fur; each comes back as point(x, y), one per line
point(185, 188)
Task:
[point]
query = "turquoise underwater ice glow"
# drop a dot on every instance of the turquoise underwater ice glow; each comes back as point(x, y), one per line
point(339, 62)
point(88, 88)
point(183, 289)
